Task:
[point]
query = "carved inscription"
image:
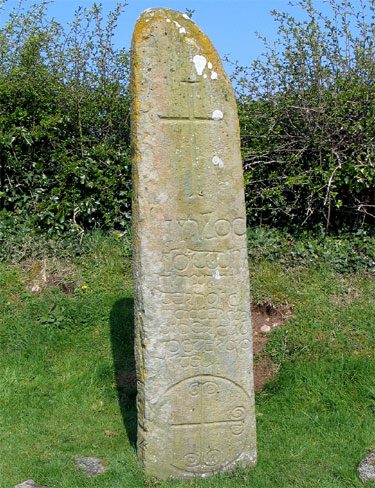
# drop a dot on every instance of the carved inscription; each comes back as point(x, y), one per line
point(204, 231)
point(215, 417)
point(204, 319)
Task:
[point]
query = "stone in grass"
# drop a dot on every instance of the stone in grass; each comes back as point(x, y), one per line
point(265, 329)
point(29, 484)
point(366, 467)
point(91, 466)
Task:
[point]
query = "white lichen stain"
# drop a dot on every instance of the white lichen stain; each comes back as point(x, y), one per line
point(182, 30)
point(209, 65)
point(204, 76)
point(199, 63)
point(177, 24)
point(162, 198)
point(186, 17)
point(214, 75)
point(216, 161)
point(217, 115)
point(168, 20)
point(217, 275)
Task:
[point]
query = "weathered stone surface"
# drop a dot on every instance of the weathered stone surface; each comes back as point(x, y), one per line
point(366, 468)
point(192, 304)
point(29, 484)
point(91, 466)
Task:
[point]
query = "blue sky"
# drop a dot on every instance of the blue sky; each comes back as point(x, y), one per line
point(230, 24)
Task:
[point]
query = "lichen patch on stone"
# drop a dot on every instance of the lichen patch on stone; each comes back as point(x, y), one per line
point(162, 198)
point(214, 75)
point(216, 161)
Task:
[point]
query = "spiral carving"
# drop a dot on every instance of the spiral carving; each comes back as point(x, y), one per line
point(192, 459)
point(237, 428)
point(211, 388)
point(238, 413)
point(194, 389)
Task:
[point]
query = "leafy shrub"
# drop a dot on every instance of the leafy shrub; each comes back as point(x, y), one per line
point(64, 121)
point(308, 120)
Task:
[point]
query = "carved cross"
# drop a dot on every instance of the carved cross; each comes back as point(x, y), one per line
point(191, 119)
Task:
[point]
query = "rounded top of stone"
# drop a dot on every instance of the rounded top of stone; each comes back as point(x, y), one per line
point(174, 18)
point(164, 11)
point(183, 29)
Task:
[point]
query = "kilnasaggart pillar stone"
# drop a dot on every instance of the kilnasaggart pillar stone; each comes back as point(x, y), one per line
point(192, 305)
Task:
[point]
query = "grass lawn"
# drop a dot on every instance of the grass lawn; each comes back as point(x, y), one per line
point(63, 344)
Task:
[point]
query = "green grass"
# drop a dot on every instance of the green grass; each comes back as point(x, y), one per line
point(60, 349)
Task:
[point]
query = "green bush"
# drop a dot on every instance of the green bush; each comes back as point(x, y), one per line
point(64, 130)
point(308, 120)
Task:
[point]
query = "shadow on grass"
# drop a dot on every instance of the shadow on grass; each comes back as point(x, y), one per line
point(122, 340)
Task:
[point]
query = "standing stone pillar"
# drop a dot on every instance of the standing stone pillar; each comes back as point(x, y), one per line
point(192, 304)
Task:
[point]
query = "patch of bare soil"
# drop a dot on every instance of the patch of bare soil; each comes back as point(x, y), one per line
point(45, 274)
point(265, 317)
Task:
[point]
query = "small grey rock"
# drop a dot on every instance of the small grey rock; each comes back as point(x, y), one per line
point(91, 466)
point(29, 484)
point(265, 329)
point(366, 467)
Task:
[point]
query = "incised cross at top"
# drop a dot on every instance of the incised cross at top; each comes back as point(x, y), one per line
point(190, 119)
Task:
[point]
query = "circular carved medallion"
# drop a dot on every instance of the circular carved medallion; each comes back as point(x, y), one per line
point(206, 422)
